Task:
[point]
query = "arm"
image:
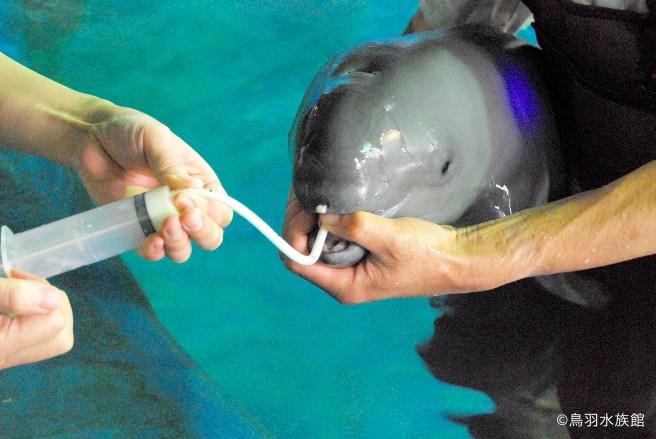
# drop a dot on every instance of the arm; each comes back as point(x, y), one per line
point(608, 225)
point(410, 257)
point(506, 15)
point(41, 117)
point(114, 150)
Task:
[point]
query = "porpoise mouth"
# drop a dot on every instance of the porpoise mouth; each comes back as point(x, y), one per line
point(338, 252)
point(335, 244)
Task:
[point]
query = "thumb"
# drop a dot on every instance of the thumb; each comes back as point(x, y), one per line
point(162, 147)
point(363, 228)
point(26, 297)
point(175, 163)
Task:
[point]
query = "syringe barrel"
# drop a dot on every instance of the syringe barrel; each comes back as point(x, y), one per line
point(87, 237)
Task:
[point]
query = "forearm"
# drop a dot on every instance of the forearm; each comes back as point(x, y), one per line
point(609, 225)
point(44, 118)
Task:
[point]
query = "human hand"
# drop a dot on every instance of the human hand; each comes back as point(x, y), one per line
point(114, 150)
point(407, 257)
point(417, 24)
point(36, 321)
point(128, 149)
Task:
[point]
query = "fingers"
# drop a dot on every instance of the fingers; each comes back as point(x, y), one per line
point(337, 282)
point(60, 344)
point(213, 211)
point(162, 148)
point(401, 257)
point(27, 297)
point(175, 163)
point(29, 334)
point(35, 326)
point(407, 257)
point(177, 233)
point(154, 156)
point(201, 220)
point(153, 248)
point(417, 24)
point(193, 224)
point(177, 243)
point(370, 231)
point(297, 225)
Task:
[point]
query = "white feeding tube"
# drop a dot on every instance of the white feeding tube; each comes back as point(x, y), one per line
point(113, 229)
point(265, 229)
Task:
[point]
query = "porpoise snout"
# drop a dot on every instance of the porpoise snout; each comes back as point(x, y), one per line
point(325, 197)
point(331, 197)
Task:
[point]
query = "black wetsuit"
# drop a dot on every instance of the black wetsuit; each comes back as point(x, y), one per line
point(602, 69)
point(538, 356)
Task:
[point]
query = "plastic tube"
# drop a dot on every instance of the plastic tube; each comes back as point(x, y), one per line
point(113, 229)
point(265, 229)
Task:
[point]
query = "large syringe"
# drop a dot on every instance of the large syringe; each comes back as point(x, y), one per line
point(114, 229)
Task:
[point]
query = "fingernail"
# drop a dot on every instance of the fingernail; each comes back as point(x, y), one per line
point(50, 298)
point(183, 201)
point(194, 222)
point(157, 246)
point(174, 232)
point(329, 219)
point(187, 180)
point(132, 190)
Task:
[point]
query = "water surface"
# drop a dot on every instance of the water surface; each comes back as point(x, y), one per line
point(227, 76)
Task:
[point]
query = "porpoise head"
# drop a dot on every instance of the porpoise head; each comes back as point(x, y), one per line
point(421, 126)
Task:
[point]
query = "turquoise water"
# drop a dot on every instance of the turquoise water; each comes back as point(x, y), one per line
point(227, 76)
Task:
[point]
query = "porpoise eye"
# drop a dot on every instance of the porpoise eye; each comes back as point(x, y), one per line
point(445, 167)
point(371, 71)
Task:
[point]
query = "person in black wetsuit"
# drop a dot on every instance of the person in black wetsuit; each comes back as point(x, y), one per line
point(539, 356)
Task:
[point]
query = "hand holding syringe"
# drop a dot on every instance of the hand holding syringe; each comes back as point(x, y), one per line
point(114, 229)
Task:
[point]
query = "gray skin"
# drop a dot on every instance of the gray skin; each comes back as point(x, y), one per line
point(450, 127)
point(376, 131)
point(453, 127)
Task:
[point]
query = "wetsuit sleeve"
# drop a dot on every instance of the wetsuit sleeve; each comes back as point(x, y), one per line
point(627, 5)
